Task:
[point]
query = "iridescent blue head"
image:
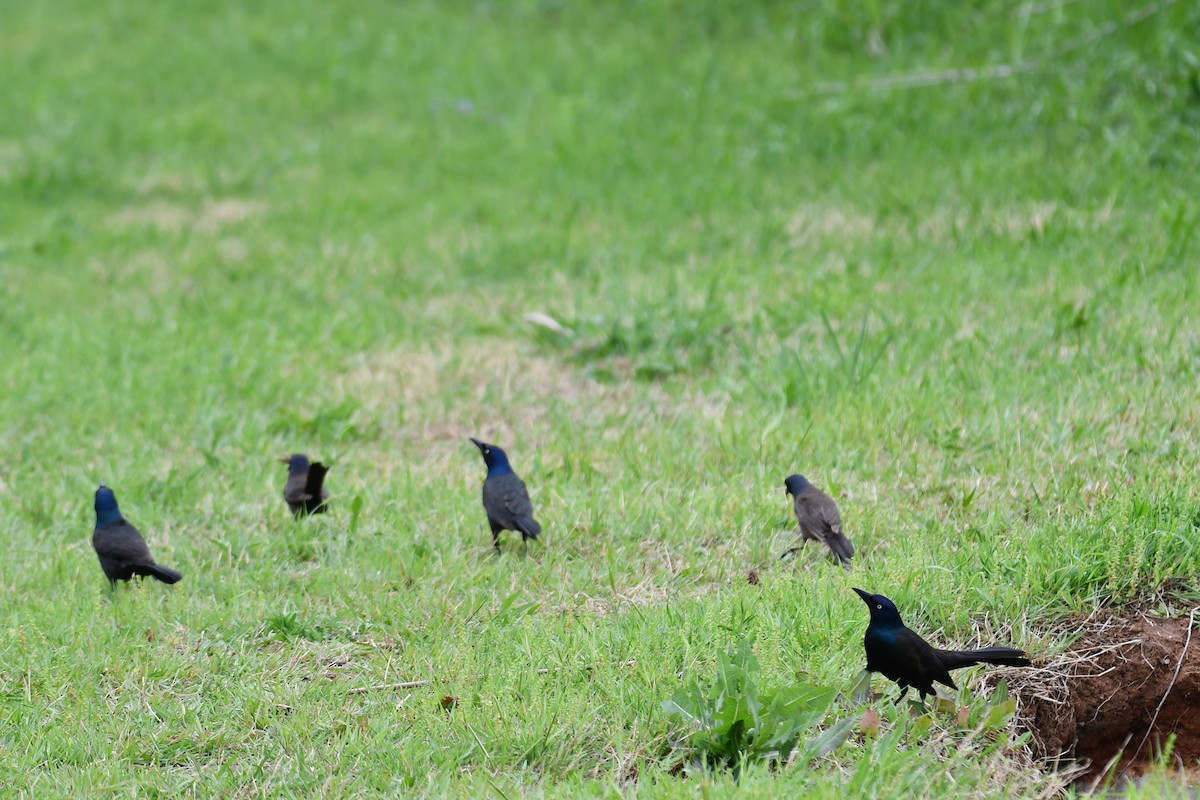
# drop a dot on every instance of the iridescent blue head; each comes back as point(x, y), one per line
point(297, 463)
point(796, 484)
point(883, 611)
point(106, 506)
point(494, 457)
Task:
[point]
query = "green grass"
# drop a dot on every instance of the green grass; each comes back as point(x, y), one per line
point(230, 231)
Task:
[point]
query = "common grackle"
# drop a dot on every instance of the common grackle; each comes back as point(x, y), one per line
point(818, 517)
point(122, 551)
point(909, 660)
point(305, 491)
point(505, 498)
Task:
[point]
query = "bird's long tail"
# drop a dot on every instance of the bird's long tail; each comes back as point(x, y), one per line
point(528, 526)
point(1001, 656)
point(841, 547)
point(164, 574)
point(316, 479)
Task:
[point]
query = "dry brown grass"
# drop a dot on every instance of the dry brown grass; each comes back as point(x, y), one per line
point(166, 217)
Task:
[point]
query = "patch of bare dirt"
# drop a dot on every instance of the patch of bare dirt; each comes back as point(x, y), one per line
point(1114, 698)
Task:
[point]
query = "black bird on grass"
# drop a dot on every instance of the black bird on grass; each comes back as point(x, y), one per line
point(910, 661)
point(122, 551)
point(818, 517)
point(505, 498)
point(304, 491)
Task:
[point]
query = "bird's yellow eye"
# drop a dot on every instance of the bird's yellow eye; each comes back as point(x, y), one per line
point(877, 605)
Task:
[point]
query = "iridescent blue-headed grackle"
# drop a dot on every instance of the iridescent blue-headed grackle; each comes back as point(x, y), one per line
point(122, 551)
point(304, 491)
point(818, 517)
point(909, 660)
point(505, 498)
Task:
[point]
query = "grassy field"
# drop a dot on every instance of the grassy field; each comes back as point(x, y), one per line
point(230, 231)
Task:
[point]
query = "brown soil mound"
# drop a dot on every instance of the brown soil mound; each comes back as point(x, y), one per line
point(1123, 688)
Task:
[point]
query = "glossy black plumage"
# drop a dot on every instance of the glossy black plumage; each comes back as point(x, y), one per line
point(305, 490)
point(819, 518)
point(904, 657)
point(122, 551)
point(505, 498)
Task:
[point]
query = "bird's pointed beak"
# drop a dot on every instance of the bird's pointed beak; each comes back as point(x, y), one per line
point(866, 596)
point(481, 445)
point(285, 459)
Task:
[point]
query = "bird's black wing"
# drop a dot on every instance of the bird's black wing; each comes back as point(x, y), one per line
point(517, 501)
point(923, 664)
point(829, 514)
point(819, 519)
point(835, 540)
point(817, 513)
point(296, 488)
point(121, 542)
point(507, 502)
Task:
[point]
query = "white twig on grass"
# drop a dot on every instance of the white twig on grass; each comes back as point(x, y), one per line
point(389, 687)
point(933, 77)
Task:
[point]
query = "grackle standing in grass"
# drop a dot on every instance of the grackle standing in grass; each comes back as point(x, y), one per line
point(304, 491)
point(910, 661)
point(122, 551)
point(505, 498)
point(818, 517)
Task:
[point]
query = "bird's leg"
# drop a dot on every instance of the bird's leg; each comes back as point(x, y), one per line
point(496, 539)
point(903, 691)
